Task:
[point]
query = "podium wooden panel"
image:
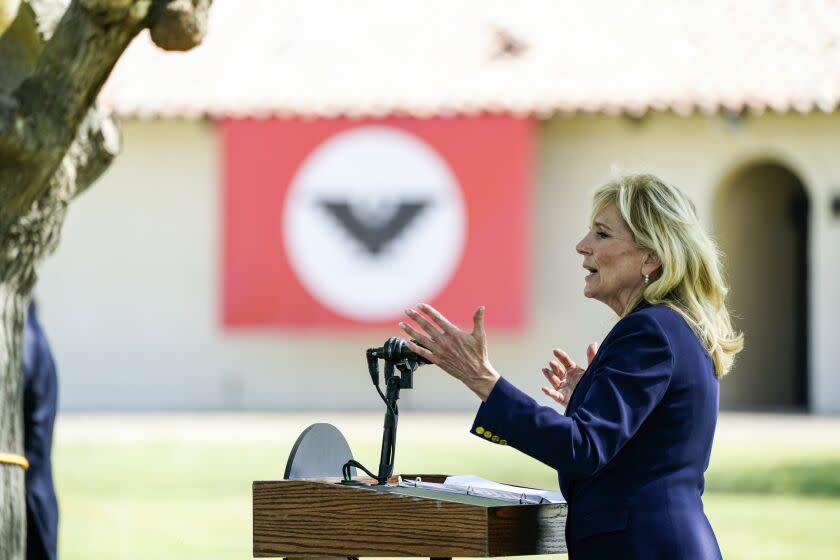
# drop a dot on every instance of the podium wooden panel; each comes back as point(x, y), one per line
point(300, 518)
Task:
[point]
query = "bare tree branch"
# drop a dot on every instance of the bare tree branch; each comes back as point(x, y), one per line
point(179, 25)
point(49, 105)
point(40, 120)
point(97, 143)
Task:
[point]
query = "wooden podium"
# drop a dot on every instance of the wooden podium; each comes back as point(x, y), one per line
point(323, 518)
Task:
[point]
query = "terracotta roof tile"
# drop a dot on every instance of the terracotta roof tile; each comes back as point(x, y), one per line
point(432, 57)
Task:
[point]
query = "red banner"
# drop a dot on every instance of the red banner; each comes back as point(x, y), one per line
point(331, 223)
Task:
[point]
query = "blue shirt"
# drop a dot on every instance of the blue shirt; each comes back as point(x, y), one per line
point(40, 399)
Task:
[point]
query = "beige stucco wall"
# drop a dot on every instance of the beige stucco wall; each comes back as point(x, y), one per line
point(131, 298)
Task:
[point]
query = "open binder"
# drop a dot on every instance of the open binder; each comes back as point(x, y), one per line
point(472, 485)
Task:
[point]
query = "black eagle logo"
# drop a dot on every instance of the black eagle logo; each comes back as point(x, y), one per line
point(374, 237)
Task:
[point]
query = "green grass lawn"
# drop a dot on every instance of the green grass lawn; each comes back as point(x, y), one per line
point(156, 500)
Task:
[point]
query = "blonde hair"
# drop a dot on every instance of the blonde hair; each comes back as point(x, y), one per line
point(690, 280)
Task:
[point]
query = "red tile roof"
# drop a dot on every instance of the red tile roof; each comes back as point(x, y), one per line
point(438, 57)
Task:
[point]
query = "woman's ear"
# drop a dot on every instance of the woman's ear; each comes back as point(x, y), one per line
point(652, 263)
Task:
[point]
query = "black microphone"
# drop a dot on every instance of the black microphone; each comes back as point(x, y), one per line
point(396, 350)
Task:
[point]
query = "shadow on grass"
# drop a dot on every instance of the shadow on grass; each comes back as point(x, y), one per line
point(815, 478)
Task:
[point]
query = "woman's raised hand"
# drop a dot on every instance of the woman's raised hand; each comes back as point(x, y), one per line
point(563, 374)
point(461, 354)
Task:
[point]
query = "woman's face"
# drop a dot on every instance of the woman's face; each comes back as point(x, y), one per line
point(614, 261)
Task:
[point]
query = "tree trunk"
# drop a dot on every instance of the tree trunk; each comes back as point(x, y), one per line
point(54, 142)
point(12, 503)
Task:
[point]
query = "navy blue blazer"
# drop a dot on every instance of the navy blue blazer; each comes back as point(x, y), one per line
point(40, 399)
point(631, 449)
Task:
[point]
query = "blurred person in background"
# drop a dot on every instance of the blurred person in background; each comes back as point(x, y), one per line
point(634, 442)
point(40, 400)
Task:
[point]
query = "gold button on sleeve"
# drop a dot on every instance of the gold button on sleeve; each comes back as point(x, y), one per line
point(479, 430)
point(503, 442)
point(494, 439)
point(488, 434)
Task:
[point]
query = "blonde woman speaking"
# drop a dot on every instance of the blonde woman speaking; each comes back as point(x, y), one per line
point(631, 449)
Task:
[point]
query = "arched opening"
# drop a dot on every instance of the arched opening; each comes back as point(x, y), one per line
point(761, 222)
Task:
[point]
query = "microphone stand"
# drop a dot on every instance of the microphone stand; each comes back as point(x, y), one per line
point(393, 384)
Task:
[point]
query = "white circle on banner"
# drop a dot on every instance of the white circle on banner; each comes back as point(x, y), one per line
point(374, 222)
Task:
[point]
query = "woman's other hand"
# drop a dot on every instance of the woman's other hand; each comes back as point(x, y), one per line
point(461, 354)
point(563, 374)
